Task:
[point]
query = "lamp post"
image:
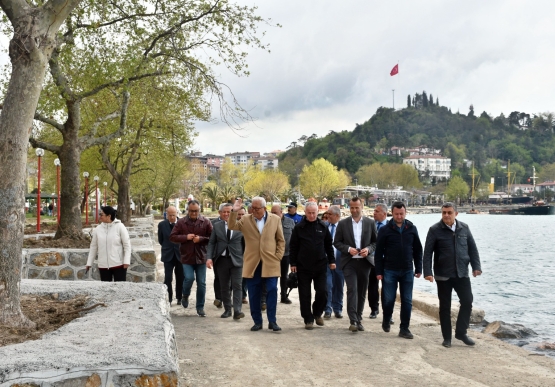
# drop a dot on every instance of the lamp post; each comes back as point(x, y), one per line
point(86, 176)
point(105, 197)
point(39, 152)
point(96, 198)
point(57, 164)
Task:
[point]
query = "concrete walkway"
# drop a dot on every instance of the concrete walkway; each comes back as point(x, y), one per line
point(223, 352)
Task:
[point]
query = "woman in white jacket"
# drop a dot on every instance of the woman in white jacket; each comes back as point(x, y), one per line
point(110, 240)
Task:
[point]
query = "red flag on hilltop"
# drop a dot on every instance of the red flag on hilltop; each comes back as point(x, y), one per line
point(395, 70)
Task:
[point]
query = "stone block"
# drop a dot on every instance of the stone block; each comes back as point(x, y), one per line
point(160, 380)
point(42, 274)
point(150, 278)
point(133, 278)
point(147, 257)
point(81, 275)
point(78, 259)
point(85, 381)
point(67, 273)
point(49, 258)
point(140, 269)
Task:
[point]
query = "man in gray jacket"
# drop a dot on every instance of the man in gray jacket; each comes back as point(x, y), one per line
point(453, 247)
point(225, 255)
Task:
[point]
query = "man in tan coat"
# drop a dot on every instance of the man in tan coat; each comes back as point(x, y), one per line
point(264, 248)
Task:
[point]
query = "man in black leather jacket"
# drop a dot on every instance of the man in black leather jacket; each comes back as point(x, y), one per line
point(453, 248)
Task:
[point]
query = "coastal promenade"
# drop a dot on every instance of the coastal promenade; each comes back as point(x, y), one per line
point(223, 352)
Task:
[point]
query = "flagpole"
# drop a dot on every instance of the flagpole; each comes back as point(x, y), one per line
point(393, 98)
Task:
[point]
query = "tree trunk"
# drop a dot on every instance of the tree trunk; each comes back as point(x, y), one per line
point(123, 202)
point(30, 49)
point(71, 224)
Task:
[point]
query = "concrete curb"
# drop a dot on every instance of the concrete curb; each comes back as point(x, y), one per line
point(129, 342)
point(429, 304)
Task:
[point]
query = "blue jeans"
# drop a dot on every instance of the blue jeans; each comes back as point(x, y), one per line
point(334, 286)
point(405, 279)
point(189, 273)
point(254, 286)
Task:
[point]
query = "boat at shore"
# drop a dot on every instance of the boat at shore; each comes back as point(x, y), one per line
point(539, 208)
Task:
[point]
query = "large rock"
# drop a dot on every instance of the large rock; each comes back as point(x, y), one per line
point(50, 258)
point(503, 330)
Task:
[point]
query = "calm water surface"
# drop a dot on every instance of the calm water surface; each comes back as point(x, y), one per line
point(518, 263)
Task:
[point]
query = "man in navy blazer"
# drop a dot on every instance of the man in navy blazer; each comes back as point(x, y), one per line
point(170, 255)
point(356, 239)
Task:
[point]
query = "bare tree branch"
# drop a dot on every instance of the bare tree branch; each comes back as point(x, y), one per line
point(121, 82)
point(49, 121)
point(40, 144)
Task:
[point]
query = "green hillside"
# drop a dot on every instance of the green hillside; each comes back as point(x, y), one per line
point(523, 139)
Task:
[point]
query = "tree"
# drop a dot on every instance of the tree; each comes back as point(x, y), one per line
point(424, 99)
point(34, 31)
point(547, 173)
point(457, 189)
point(212, 193)
point(136, 40)
point(320, 179)
point(431, 100)
point(408, 101)
point(269, 183)
point(471, 111)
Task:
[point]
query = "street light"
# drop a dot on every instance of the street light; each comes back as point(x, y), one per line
point(39, 152)
point(96, 197)
point(86, 176)
point(57, 164)
point(105, 197)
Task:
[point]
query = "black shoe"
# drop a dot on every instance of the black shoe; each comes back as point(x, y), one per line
point(338, 315)
point(353, 327)
point(185, 301)
point(256, 327)
point(327, 315)
point(200, 313)
point(286, 300)
point(273, 326)
point(218, 304)
point(446, 343)
point(465, 339)
point(226, 314)
point(405, 333)
point(374, 314)
point(309, 326)
point(238, 315)
point(360, 327)
point(385, 327)
point(263, 306)
point(178, 301)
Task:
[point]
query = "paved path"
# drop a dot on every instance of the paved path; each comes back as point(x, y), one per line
point(223, 352)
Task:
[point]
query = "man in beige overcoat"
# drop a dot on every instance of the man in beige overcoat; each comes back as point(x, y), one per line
point(264, 248)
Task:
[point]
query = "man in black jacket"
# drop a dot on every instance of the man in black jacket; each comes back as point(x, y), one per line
point(171, 257)
point(453, 247)
point(398, 260)
point(311, 251)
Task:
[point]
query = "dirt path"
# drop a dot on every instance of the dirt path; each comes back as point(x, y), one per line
point(223, 352)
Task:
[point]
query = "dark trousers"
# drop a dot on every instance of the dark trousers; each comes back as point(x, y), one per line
point(244, 288)
point(306, 278)
point(217, 289)
point(405, 279)
point(356, 274)
point(284, 267)
point(464, 292)
point(374, 291)
point(231, 277)
point(255, 293)
point(169, 268)
point(117, 275)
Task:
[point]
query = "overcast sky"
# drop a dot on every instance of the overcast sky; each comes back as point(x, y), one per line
point(330, 63)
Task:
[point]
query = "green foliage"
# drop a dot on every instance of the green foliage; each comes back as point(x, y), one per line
point(457, 189)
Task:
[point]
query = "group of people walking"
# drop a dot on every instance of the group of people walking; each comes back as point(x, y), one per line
point(356, 251)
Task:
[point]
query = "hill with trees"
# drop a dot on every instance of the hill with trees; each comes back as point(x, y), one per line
point(525, 139)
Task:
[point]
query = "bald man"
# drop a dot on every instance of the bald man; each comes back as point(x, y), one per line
point(170, 255)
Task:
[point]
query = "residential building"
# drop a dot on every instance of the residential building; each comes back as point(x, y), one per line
point(242, 158)
point(430, 166)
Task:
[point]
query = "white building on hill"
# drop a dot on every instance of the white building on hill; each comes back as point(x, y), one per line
point(430, 165)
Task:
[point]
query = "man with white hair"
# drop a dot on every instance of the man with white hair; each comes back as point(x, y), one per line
point(311, 252)
point(264, 248)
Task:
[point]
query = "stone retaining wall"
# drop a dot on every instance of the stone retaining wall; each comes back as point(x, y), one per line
point(130, 341)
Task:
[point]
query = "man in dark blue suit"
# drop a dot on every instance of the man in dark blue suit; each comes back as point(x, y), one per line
point(335, 280)
point(170, 255)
